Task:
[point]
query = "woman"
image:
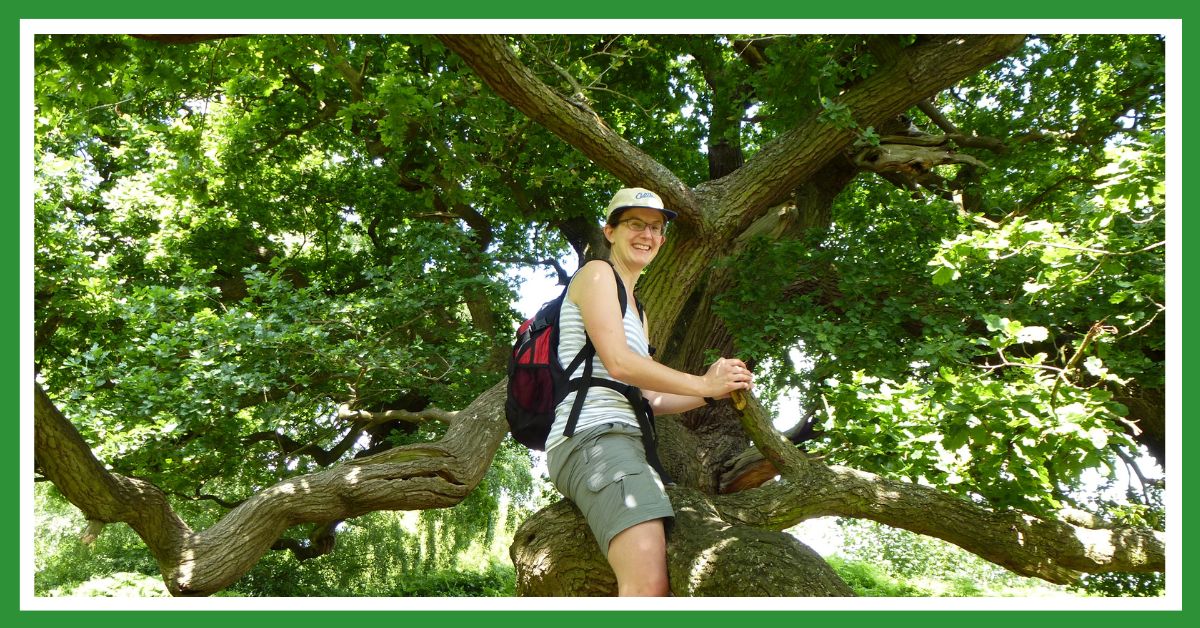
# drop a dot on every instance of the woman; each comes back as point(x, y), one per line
point(602, 467)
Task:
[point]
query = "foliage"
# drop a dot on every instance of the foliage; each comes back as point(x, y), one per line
point(117, 562)
point(380, 557)
point(381, 554)
point(181, 315)
point(867, 580)
point(880, 561)
point(985, 347)
point(241, 240)
point(119, 584)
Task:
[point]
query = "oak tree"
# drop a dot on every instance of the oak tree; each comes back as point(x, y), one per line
point(273, 280)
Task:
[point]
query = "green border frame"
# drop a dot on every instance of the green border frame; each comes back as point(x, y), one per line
point(14, 371)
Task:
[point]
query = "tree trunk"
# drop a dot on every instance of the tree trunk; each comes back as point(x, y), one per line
point(551, 560)
point(722, 544)
point(712, 528)
point(706, 556)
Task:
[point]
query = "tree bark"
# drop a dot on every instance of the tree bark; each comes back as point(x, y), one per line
point(706, 556)
point(728, 544)
point(440, 474)
point(716, 540)
point(413, 477)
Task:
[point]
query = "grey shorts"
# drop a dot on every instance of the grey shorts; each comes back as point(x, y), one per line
point(603, 470)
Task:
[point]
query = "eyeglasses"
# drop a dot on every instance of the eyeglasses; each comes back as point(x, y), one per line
point(638, 226)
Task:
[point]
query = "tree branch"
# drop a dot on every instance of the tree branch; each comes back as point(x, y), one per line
point(320, 542)
point(937, 117)
point(292, 447)
point(796, 155)
point(559, 271)
point(492, 59)
point(1052, 550)
point(353, 77)
point(910, 161)
point(182, 39)
point(375, 418)
point(413, 477)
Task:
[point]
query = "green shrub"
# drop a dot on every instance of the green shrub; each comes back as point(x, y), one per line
point(867, 580)
point(120, 584)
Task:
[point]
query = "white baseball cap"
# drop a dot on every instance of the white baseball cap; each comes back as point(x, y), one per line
point(629, 198)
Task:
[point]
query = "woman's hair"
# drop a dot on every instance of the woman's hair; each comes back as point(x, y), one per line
point(615, 218)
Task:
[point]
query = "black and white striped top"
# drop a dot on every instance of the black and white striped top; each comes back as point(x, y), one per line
point(602, 405)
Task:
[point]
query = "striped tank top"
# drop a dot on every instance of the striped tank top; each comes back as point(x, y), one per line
point(602, 405)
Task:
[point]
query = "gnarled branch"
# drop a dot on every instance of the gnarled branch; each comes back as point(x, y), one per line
point(420, 476)
point(917, 73)
point(494, 61)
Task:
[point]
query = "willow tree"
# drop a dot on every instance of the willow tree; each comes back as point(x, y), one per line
point(271, 280)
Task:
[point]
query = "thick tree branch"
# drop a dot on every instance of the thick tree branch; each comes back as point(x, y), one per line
point(706, 556)
point(775, 447)
point(1052, 550)
point(917, 73)
point(66, 460)
point(419, 476)
point(908, 160)
point(937, 117)
point(374, 418)
point(494, 61)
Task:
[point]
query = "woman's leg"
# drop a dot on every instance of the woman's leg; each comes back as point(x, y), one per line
point(638, 556)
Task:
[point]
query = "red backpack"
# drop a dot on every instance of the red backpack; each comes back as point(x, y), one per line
point(537, 382)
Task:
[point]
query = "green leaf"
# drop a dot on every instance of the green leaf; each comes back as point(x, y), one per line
point(944, 275)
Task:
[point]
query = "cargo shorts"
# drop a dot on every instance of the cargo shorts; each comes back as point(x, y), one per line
point(603, 469)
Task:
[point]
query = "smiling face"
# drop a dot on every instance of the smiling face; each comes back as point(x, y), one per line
point(631, 248)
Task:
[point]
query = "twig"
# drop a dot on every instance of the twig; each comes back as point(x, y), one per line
point(1083, 249)
point(595, 87)
point(1161, 309)
point(1094, 331)
point(1005, 362)
point(1100, 251)
point(577, 90)
point(563, 276)
point(1132, 464)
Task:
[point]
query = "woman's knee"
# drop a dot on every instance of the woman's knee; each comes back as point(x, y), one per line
point(652, 586)
point(649, 582)
point(639, 559)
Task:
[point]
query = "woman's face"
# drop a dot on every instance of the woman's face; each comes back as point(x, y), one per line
point(632, 247)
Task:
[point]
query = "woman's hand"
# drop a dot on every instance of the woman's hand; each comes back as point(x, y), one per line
point(727, 375)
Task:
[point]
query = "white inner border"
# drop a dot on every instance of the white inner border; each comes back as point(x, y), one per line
point(1172, 600)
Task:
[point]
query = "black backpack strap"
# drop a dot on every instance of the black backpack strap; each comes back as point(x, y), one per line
point(650, 349)
point(586, 356)
point(649, 435)
point(580, 385)
point(641, 407)
point(621, 296)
